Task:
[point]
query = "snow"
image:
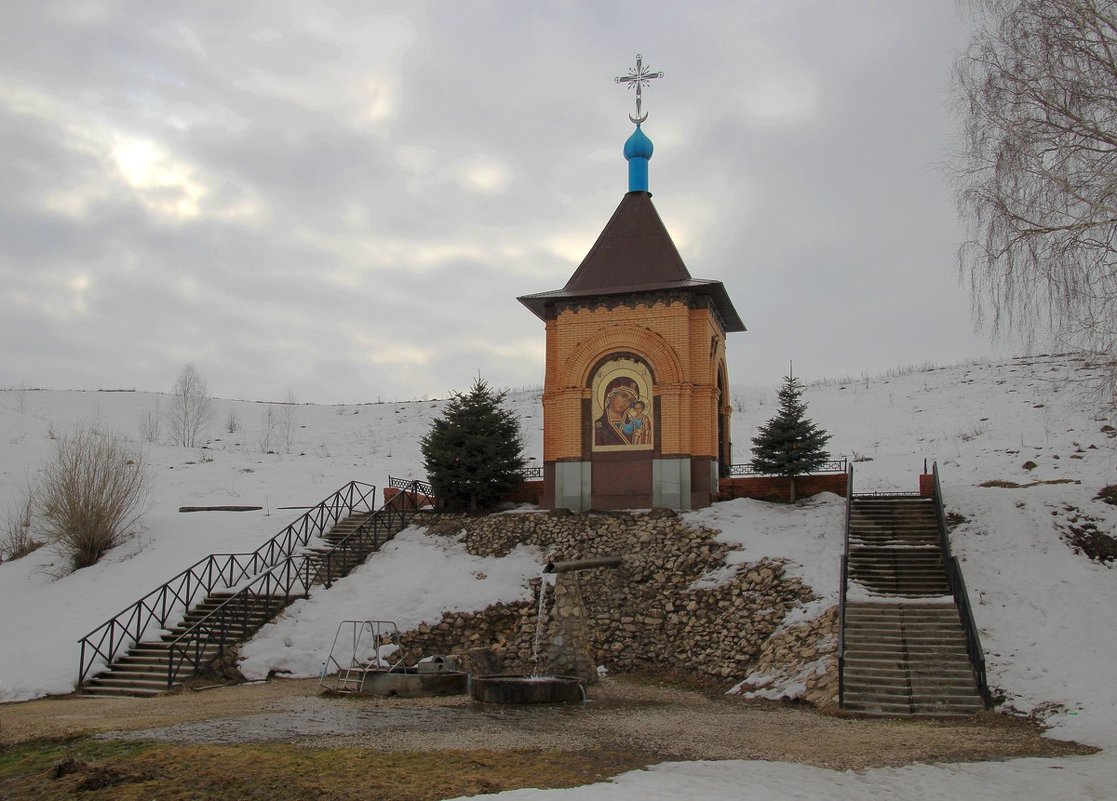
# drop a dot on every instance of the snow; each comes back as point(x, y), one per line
point(415, 578)
point(806, 536)
point(1044, 612)
point(1067, 779)
point(44, 612)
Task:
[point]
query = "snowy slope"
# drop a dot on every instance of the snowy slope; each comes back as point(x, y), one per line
point(330, 446)
point(1042, 608)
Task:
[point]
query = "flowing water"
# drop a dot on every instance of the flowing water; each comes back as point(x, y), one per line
point(540, 624)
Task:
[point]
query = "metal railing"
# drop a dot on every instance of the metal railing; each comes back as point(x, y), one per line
point(274, 589)
point(412, 485)
point(890, 494)
point(832, 466)
point(372, 533)
point(235, 618)
point(532, 473)
point(961, 596)
point(842, 590)
point(174, 597)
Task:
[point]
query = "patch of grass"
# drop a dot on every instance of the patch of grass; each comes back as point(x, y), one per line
point(143, 770)
point(973, 432)
point(1108, 495)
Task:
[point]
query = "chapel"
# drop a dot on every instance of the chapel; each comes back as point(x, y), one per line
point(636, 400)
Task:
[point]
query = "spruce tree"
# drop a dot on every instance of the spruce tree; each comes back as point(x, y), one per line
point(473, 453)
point(790, 444)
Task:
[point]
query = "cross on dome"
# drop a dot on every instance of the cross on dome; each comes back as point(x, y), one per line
point(636, 79)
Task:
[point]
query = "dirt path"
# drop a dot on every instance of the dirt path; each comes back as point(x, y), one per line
point(625, 715)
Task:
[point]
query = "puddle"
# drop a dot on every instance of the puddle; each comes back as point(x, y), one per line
point(349, 716)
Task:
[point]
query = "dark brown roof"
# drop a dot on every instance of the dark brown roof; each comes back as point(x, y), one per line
point(634, 254)
point(633, 250)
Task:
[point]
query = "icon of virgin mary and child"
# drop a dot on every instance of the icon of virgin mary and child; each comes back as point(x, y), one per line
point(625, 419)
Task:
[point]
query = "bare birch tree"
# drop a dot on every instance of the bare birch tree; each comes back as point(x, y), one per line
point(1037, 172)
point(191, 407)
point(288, 419)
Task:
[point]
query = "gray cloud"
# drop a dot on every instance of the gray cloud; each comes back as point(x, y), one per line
point(314, 197)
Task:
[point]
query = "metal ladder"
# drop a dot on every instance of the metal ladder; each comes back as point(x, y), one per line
point(368, 646)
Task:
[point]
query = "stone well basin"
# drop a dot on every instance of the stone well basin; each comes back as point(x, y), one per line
point(512, 689)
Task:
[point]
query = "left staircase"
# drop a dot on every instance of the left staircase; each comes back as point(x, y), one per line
point(186, 623)
point(143, 668)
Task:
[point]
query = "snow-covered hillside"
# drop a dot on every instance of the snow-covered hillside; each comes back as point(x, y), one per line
point(1043, 609)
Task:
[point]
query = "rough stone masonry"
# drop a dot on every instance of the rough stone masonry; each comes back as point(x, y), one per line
point(649, 614)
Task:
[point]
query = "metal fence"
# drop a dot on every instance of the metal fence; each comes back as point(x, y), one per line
point(832, 466)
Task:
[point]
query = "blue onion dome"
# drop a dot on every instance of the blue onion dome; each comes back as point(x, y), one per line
point(638, 145)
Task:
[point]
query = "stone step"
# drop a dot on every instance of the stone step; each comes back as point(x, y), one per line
point(860, 640)
point(96, 689)
point(885, 561)
point(856, 682)
point(884, 607)
point(143, 683)
point(918, 670)
point(892, 572)
point(904, 589)
point(907, 581)
point(891, 564)
point(855, 674)
point(895, 624)
point(915, 651)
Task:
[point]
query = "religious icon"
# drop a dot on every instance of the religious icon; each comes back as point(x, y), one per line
point(622, 406)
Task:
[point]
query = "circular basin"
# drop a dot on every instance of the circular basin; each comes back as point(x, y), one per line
point(527, 689)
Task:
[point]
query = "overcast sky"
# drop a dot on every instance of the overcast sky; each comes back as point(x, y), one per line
point(344, 200)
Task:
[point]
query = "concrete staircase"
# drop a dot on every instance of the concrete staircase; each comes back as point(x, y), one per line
point(894, 547)
point(143, 670)
point(343, 562)
point(907, 659)
point(905, 650)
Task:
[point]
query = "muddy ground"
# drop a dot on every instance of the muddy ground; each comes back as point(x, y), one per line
point(286, 736)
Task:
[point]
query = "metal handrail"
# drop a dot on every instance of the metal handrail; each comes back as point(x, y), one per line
point(275, 583)
point(412, 485)
point(843, 589)
point(176, 595)
point(961, 596)
point(401, 508)
point(832, 466)
point(308, 568)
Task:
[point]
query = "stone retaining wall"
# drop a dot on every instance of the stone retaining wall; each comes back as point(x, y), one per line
point(652, 613)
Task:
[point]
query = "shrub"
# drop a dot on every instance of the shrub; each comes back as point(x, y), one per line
point(91, 495)
point(16, 539)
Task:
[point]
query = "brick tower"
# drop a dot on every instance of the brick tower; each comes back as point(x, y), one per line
point(636, 395)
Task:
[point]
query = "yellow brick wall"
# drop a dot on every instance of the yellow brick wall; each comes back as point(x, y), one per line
point(684, 348)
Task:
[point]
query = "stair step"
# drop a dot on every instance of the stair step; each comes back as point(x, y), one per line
point(93, 689)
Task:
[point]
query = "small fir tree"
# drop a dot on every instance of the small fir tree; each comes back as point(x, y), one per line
point(474, 453)
point(789, 444)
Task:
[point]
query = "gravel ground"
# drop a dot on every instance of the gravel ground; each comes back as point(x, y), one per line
point(623, 714)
